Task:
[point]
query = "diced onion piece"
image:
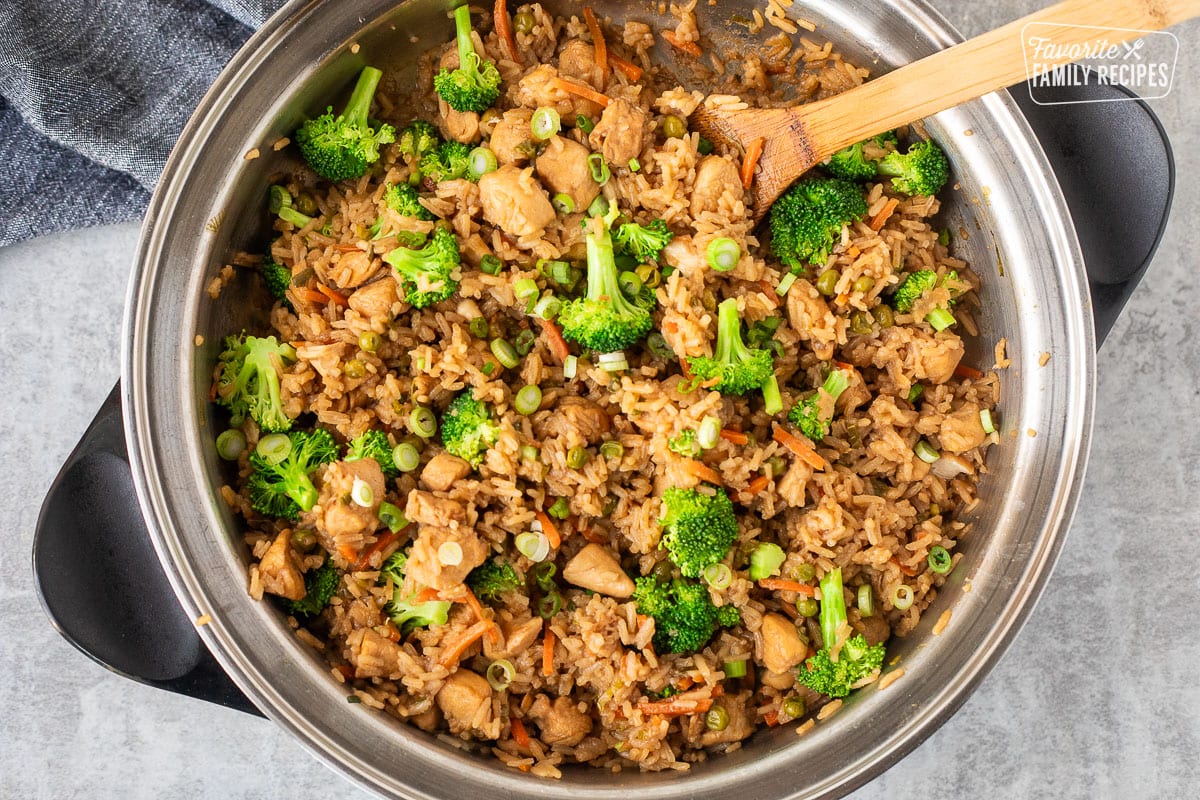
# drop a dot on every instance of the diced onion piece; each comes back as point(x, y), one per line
point(985, 419)
point(231, 444)
point(405, 457)
point(545, 123)
point(570, 366)
point(361, 493)
point(709, 433)
point(450, 554)
point(950, 466)
point(718, 576)
point(533, 545)
point(925, 452)
point(500, 674)
point(274, 447)
point(902, 597)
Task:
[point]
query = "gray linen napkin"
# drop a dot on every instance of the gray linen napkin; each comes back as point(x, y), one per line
point(93, 95)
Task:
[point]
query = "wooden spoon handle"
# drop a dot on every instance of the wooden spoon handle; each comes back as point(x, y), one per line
point(977, 66)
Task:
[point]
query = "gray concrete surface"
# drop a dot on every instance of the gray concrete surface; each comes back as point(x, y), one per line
point(1097, 698)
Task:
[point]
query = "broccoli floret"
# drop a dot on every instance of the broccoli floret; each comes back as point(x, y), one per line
point(447, 162)
point(833, 674)
point(923, 170)
point(406, 612)
point(765, 560)
point(604, 320)
point(285, 489)
point(249, 381)
point(493, 578)
point(806, 415)
point(739, 368)
point(278, 279)
point(475, 85)
point(425, 273)
point(699, 528)
point(684, 616)
point(851, 164)
point(373, 444)
point(913, 286)
point(685, 443)
point(320, 585)
point(467, 428)
point(643, 242)
point(402, 198)
point(418, 138)
point(344, 146)
point(393, 567)
point(807, 220)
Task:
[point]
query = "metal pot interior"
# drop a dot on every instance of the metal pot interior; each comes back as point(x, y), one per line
point(211, 202)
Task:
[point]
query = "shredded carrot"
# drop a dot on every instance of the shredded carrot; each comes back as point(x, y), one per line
point(347, 552)
point(336, 297)
point(520, 735)
point(685, 683)
point(711, 382)
point(799, 447)
point(310, 295)
point(963, 371)
point(554, 338)
point(212, 392)
point(750, 161)
point(578, 89)
point(598, 43)
point(549, 528)
point(451, 655)
point(906, 570)
point(632, 71)
point(755, 486)
point(717, 691)
point(548, 652)
point(592, 535)
point(877, 221)
point(381, 544)
point(428, 595)
point(504, 29)
point(784, 585)
point(691, 48)
point(771, 718)
point(685, 368)
point(735, 437)
point(480, 614)
point(844, 365)
point(698, 469)
point(674, 708)
point(393, 632)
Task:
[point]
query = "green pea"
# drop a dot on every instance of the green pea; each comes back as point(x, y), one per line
point(807, 606)
point(303, 539)
point(716, 719)
point(884, 316)
point(860, 322)
point(305, 204)
point(523, 22)
point(794, 707)
point(864, 284)
point(369, 341)
point(663, 571)
point(355, 369)
point(673, 127)
point(827, 282)
point(805, 572)
point(577, 457)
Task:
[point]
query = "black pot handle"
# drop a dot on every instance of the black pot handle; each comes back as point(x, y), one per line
point(104, 589)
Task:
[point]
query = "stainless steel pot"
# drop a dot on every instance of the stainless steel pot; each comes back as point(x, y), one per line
point(209, 203)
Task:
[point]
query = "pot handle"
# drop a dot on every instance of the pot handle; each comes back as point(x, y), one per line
point(101, 583)
point(1114, 163)
point(99, 580)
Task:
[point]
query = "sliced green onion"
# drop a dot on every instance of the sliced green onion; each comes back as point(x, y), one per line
point(944, 236)
point(392, 517)
point(630, 283)
point(915, 392)
point(902, 597)
point(361, 493)
point(807, 606)
point(274, 447)
point(985, 419)
point(584, 123)
point(785, 283)
point(577, 457)
point(232, 443)
point(406, 457)
point(528, 399)
point(600, 171)
point(704, 146)
point(545, 123)
point(598, 207)
point(479, 328)
point(926, 453)
point(709, 432)
point(278, 198)
point(505, 353)
point(533, 545)
point(524, 342)
point(488, 367)
point(716, 718)
point(530, 453)
point(500, 674)
point(543, 575)
point(563, 274)
point(547, 307)
point(940, 319)
point(723, 254)
point(612, 449)
point(550, 605)
point(480, 162)
point(422, 422)
point(772, 399)
point(613, 362)
point(649, 274)
point(634, 165)
point(559, 509)
point(734, 669)
point(570, 366)
point(765, 560)
point(490, 264)
point(866, 600)
point(563, 203)
point(940, 560)
point(718, 576)
point(525, 288)
point(295, 217)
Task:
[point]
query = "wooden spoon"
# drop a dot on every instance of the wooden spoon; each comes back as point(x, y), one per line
point(793, 140)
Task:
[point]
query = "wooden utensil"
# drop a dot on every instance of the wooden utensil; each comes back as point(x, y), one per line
point(793, 140)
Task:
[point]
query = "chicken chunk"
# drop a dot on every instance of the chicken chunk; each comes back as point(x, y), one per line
point(578, 62)
point(621, 132)
point(376, 298)
point(466, 700)
point(576, 420)
point(519, 636)
point(782, 646)
point(563, 168)
point(280, 569)
point(512, 139)
point(514, 202)
point(441, 558)
point(738, 727)
point(443, 471)
point(537, 90)
point(376, 656)
point(350, 269)
point(595, 567)
point(341, 518)
point(932, 357)
point(462, 126)
point(962, 430)
point(716, 177)
point(560, 722)
point(426, 508)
